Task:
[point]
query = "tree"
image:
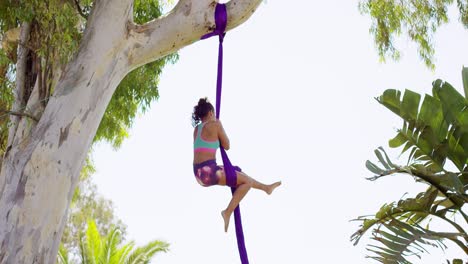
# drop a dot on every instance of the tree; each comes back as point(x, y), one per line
point(133, 95)
point(432, 134)
point(108, 250)
point(60, 109)
point(418, 19)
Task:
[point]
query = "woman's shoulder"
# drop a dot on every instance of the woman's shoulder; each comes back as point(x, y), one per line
point(213, 124)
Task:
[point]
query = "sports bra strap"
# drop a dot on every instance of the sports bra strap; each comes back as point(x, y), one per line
point(199, 129)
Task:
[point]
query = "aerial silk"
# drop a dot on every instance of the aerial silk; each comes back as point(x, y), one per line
point(231, 176)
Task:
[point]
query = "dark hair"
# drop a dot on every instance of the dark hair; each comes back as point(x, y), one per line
point(201, 110)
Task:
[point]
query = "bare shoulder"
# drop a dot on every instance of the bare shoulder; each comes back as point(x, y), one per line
point(211, 125)
point(218, 123)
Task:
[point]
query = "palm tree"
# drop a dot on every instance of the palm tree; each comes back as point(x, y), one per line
point(433, 133)
point(95, 249)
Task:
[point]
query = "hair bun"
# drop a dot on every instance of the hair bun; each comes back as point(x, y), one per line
point(201, 110)
point(203, 101)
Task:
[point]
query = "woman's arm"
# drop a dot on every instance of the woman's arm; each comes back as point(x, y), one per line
point(223, 138)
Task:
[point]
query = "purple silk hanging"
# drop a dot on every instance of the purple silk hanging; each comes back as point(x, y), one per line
point(231, 176)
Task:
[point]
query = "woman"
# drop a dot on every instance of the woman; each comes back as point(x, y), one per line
point(208, 135)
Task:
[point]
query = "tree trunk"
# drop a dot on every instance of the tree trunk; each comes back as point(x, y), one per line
point(40, 172)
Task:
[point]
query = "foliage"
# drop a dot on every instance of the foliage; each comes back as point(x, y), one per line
point(136, 92)
point(86, 204)
point(57, 29)
point(6, 100)
point(434, 131)
point(419, 19)
point(95, 248)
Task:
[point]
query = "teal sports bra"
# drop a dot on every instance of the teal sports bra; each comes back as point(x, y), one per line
point(200, 145)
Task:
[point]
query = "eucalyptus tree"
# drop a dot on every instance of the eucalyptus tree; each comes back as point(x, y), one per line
point(109, 249)
point(133, 94)
point(61, 90)
point(435, 137)
point(418, 19)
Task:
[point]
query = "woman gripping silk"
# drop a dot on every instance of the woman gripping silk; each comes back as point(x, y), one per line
point(208, 136)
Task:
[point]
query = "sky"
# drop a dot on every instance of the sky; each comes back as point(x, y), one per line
point(298, 105)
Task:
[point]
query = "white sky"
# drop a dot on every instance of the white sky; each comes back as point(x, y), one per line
point(298, 105)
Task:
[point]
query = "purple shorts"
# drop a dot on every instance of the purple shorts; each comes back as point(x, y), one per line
point(205, 172)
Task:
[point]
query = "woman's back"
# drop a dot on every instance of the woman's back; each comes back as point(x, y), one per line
point(206, 141)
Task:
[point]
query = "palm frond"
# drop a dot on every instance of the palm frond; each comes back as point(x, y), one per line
point(398, 240)
point(451, 185)
point(411, 210)
point(143, 255)
point(109, 247)
point(85, 254)
point(122, 253)
point(93, 242)
point(95, 249)
point(62, 257)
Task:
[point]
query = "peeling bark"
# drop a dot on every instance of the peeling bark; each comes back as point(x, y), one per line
point(39, 175)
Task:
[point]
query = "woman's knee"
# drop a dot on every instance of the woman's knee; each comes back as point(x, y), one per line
point(249, 182)
point(244, 179)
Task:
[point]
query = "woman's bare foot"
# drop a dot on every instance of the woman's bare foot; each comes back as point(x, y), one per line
point(226, 220)
point(272, 187)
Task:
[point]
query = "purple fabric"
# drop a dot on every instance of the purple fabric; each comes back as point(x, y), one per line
point(231, 176)
point(220, 22)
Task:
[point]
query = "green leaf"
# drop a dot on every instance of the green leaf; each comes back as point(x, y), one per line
point(389, 162)
point(465, 80)
point(374, 168)
point(62, 257)
point(391, 99)
point(431, 113)
point(410, 105)
point(381, 159)
point(452, 101)
point(94, 240)
point(397, 141)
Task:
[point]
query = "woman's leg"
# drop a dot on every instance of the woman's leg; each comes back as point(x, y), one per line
point(243, 178)
point(243, 186)
point(260, 186)
point(244, 183)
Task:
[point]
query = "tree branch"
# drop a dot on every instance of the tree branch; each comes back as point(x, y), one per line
point(422, 176)
point(80, 11)
point(460, 244)
point(184, 25)
point(15, 113)
point(20, 78)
